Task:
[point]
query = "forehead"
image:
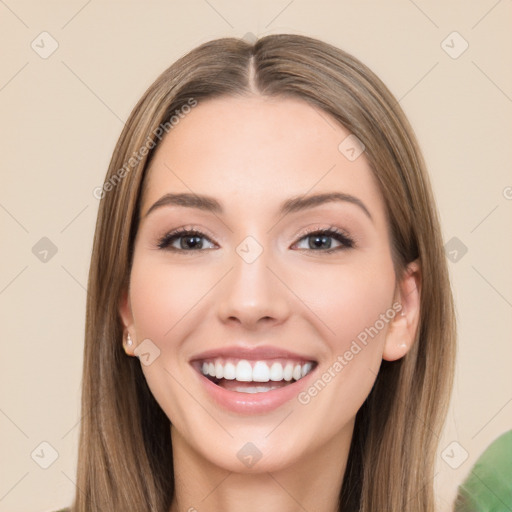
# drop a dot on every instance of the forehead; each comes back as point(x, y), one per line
point(257, 151)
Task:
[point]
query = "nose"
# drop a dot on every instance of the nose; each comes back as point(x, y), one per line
point(252, 295)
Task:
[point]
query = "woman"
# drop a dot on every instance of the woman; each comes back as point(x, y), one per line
point(270, 323)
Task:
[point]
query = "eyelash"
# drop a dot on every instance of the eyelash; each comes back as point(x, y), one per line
point(333, 232)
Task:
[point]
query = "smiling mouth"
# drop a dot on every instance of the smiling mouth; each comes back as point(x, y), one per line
point(247, 376)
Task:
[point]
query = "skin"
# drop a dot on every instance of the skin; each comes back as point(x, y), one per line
point(251, 154)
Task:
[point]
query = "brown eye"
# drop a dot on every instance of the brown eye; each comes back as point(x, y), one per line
point(184, 240)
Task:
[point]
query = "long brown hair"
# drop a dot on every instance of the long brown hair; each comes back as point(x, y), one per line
point(125, 457)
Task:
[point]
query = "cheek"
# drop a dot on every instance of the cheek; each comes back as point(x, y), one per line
point(165, 300)
point(162, 296)
point(353, 305)
point(349, 300)
point(162, 299)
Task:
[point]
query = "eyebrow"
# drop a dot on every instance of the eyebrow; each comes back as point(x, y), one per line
point(292, 205)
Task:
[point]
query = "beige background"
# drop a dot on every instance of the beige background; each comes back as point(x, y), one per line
point(61, 117)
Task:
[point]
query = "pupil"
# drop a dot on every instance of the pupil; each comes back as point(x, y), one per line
point(191, 242)
point(321, 239)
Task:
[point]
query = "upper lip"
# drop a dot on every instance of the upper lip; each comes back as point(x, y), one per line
point(258, 353)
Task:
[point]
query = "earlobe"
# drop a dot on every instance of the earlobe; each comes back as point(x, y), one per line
point(398, 341)
point(402, 330)
point(128, 345)
point(125, 312)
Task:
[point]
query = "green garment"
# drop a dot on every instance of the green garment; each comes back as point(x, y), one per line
point(488, 487)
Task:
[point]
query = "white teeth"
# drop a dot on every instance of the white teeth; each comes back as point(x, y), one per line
point(229, 371)
point(305, 369)
point(243, 371)
point(276, 372)
point(255, 371)
point(219, 370)
point(260, 372)
point(287, 373)
point(253, 389)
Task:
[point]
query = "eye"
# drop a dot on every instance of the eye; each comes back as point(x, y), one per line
point(183, 239)
point(322, 240)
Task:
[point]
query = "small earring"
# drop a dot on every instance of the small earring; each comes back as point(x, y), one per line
point(129, 341)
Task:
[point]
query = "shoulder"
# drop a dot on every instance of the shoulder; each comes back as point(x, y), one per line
point(488, 485)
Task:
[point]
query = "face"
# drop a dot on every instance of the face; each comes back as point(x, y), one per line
point(261, 315)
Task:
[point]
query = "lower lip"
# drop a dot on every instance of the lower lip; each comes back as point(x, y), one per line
point(253, 403)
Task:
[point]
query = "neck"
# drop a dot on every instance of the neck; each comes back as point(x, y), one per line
point(313, 482)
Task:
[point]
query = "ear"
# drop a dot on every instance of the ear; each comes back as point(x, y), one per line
point(402, 329)
point(125, 311)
